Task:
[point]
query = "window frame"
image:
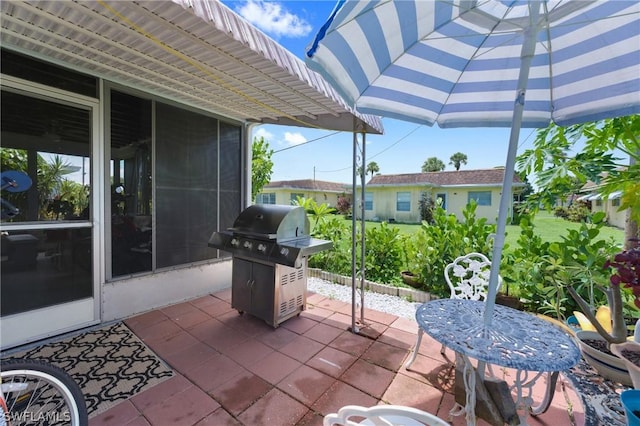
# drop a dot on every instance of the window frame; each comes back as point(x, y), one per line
point(368, 201)
point(403, 205)
point(270, 195)
point(479, 197)
point(293, 197)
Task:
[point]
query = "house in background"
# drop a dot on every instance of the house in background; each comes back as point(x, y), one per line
point(287, 191)
point(397, 197)
point(610, 205)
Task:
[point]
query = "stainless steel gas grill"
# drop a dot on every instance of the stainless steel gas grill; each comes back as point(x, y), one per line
point(270, 244)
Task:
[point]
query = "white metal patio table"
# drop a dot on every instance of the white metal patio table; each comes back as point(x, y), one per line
point(513, 339)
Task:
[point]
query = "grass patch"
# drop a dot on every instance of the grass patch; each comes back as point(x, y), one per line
point(551, 228)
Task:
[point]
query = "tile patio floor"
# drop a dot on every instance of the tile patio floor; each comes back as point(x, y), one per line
point(237, 370)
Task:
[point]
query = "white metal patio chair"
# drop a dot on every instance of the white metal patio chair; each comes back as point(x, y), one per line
point(382, 415)
point(468, 278)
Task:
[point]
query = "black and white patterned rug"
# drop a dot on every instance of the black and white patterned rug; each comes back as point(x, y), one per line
point(600, 397)
point(110, 364)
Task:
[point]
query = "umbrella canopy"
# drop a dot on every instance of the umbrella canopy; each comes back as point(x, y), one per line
point(471, 63)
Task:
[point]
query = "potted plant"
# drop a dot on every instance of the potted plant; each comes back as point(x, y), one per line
point(625, 277)
point(410, 279)
point(629, 353)
point(411, 263)
point(506, 299)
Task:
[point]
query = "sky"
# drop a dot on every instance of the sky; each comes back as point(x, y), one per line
point(302, 153)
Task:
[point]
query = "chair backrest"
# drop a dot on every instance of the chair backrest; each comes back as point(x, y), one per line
point(468, 277)
point(382, 415)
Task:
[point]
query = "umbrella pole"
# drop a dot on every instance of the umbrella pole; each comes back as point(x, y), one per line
point(506, 199)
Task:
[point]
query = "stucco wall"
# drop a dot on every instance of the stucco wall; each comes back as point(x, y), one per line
point(614, 217)
point(283, 196)
point(124, 298)
point(459, 197)
point(598, 206)
point(384, 203)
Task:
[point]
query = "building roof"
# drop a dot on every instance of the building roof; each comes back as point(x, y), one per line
point(309, 185)
point(195, 52)
point(481, 177)
point(593, 186)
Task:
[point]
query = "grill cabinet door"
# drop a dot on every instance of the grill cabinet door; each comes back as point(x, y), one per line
point(253, 289)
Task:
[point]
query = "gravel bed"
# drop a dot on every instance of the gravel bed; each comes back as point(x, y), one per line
point(380, 302)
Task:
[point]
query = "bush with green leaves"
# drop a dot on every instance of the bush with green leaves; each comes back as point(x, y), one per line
point(426, 205)
point(317, 212)
point(540, 272)
point(384, 254)
point(338, 259)
point(520, 210)
point(435, 245)
point(578, 212)
point(561, 212)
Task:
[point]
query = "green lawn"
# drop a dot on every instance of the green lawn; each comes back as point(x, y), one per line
point(552, 228)
point(549, 227)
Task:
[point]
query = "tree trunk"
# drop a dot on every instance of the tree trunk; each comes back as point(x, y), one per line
point(631, 226)
point(630, 232)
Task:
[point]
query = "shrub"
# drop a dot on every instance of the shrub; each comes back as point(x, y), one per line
point(578, 212)
point(561, 212)
point(541, 271)
point(343, 205)
point(384, 254)
point(338, 259)
point(429, 250)
point(520, 209)
point(426, 206)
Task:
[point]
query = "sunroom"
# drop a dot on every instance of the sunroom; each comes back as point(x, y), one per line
point(133, 121)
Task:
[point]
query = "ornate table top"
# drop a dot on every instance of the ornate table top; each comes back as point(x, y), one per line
point(514, 339)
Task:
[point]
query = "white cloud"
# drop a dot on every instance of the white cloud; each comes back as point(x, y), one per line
point(274, 19)
point(294, 138)
point(263, 133)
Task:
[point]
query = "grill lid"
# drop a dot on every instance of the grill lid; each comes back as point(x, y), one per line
point(272, 221)
point(271, 233)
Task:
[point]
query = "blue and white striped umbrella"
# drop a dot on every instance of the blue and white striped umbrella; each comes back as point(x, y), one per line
point(456, 63)
point(465, 63)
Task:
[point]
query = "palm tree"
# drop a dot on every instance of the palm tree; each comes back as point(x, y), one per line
point(51, 178)
point(457, 159)
point(433, 164)
point(372, 168)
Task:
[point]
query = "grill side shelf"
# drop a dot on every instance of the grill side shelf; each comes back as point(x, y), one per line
point(259, 250)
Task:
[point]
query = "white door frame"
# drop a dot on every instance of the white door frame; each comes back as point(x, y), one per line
point(40, 323)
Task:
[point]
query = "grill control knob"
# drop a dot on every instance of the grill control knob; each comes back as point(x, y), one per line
point(284, 251)
point(262, 247)
point(235, 242)
point(248, 245)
